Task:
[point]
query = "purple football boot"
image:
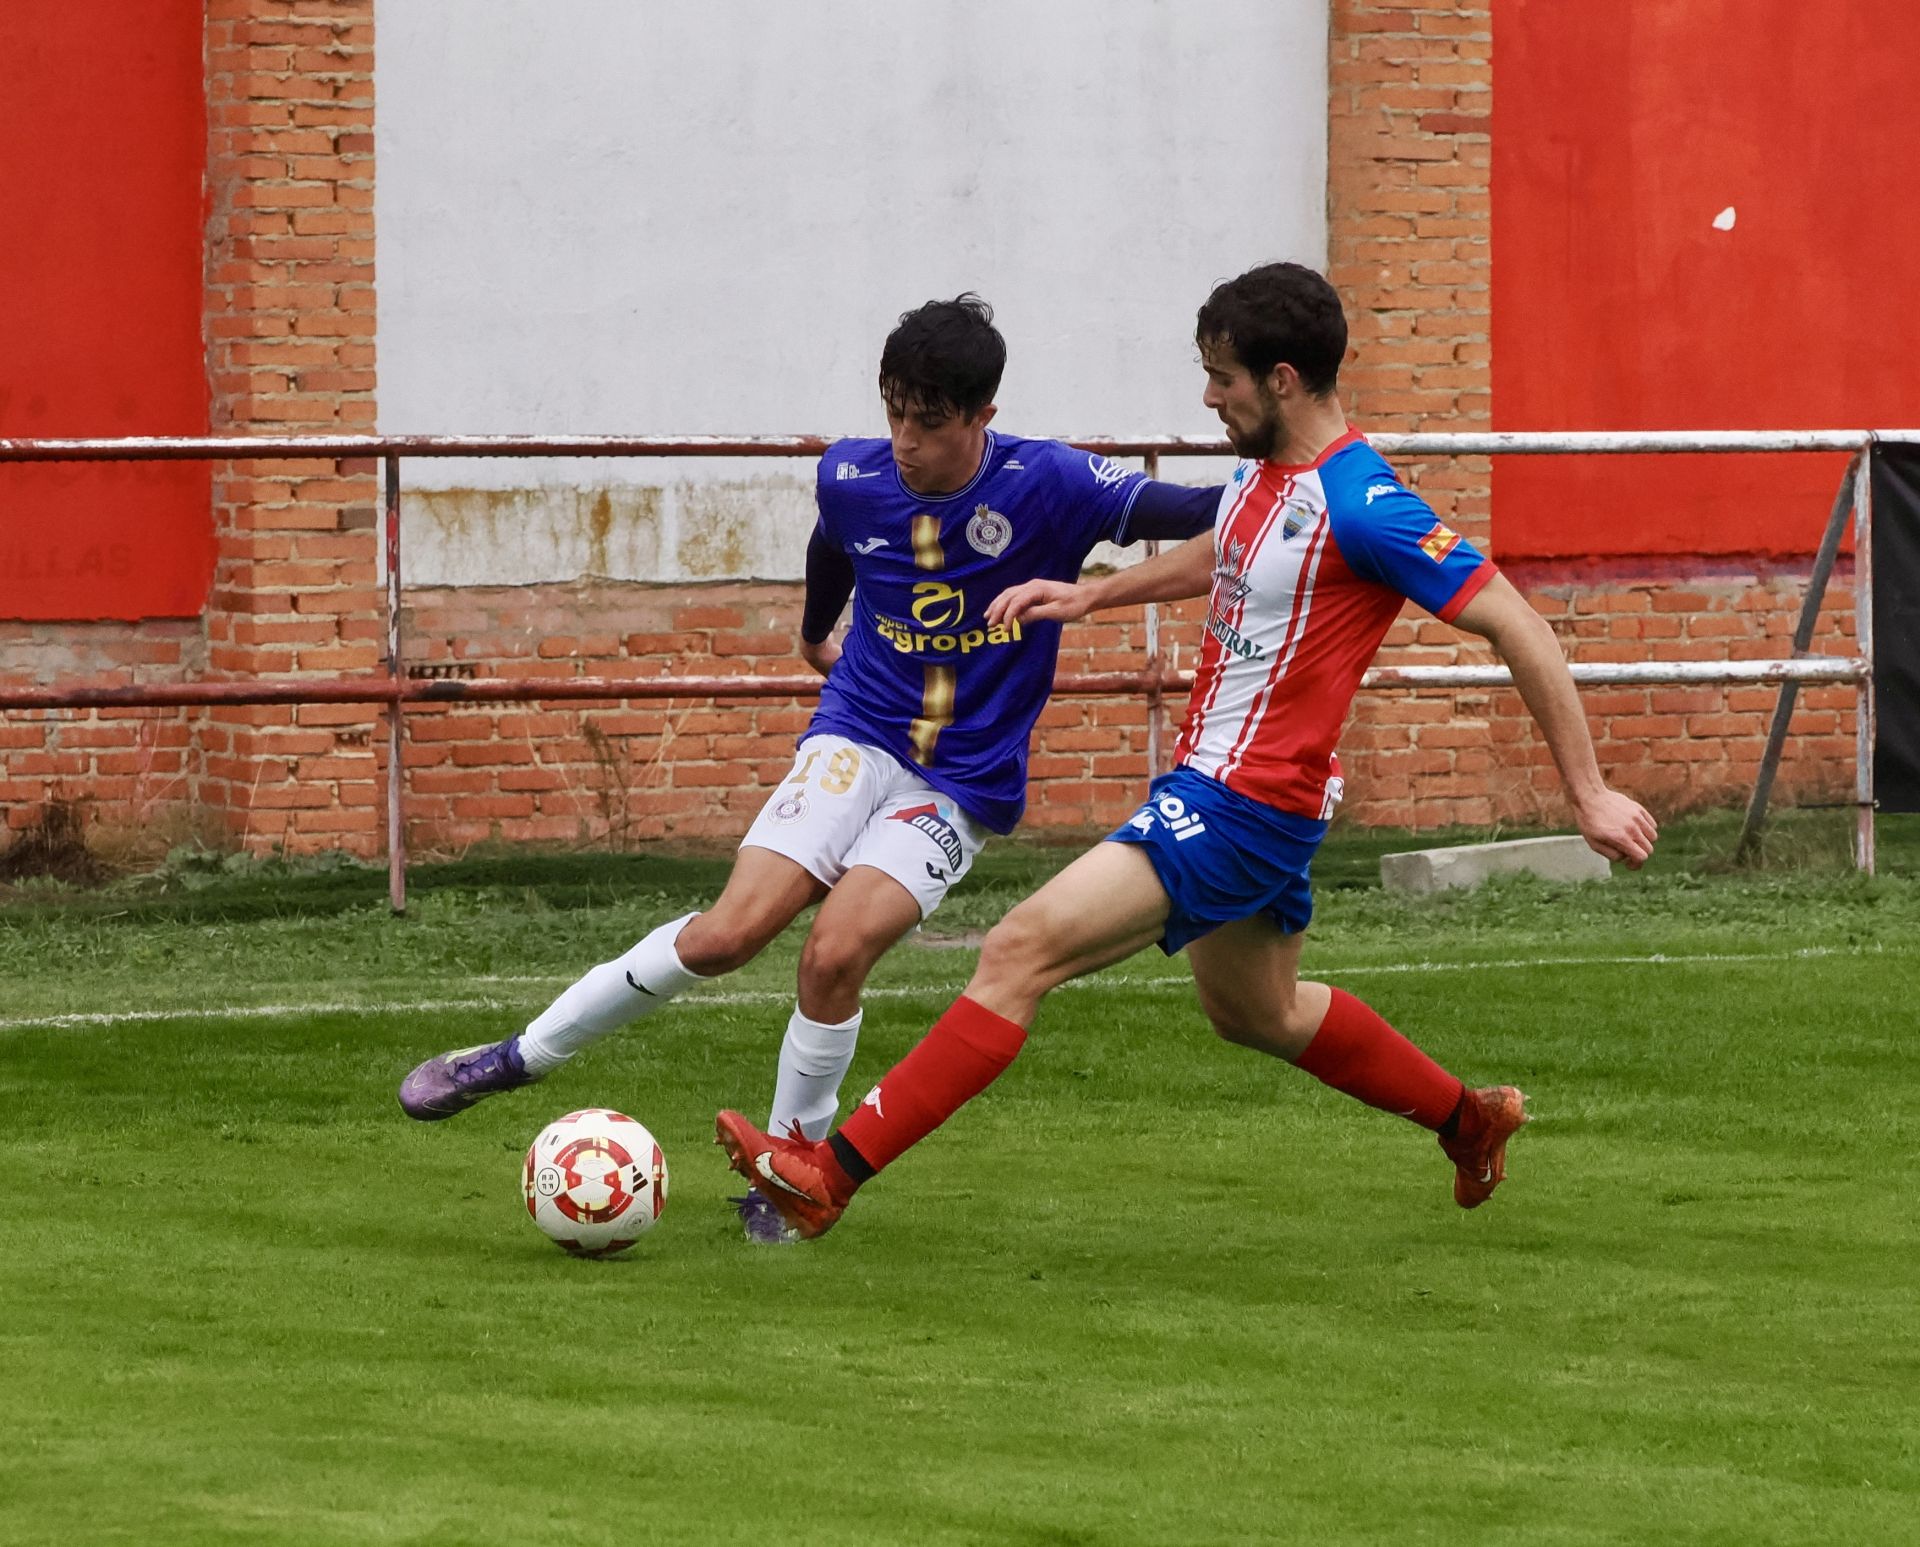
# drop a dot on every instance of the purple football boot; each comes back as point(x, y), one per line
point(449, 1084)
point(762, 1221)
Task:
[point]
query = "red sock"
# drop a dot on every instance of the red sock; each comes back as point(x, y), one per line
point(1355, 1051)
point(951, 1064)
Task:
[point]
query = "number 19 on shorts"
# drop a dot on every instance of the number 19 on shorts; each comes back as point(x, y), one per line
point(843, 767)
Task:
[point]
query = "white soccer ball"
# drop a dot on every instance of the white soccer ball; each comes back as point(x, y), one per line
point(595, 1181)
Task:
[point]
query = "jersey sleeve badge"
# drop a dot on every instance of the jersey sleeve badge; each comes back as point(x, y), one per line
point(1441, 541)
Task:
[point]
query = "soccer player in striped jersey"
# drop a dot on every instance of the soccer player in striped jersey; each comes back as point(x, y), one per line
point(1315, 549)
point(918, 749)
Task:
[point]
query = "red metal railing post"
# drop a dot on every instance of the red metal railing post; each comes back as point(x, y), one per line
point(1156, 698)
point(1865, 705)
point(396, 709)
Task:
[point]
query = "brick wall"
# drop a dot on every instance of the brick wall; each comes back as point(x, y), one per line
point(1428, 759)
point(629, 773)
point(1409, 206)
point(130, 773)
point(290, 340)
point(290, 349)
point(625, 774)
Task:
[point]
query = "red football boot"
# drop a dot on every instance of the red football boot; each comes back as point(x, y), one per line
point(788, 1173)
point(1478, 1150)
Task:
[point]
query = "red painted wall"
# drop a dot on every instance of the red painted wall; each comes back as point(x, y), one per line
point(102, 153)
point(1620, 132)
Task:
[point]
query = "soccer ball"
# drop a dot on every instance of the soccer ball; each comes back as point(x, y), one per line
point(595, 1181)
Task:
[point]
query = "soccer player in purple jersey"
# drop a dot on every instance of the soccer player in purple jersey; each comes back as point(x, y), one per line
point(918, 749)
point(1316, 548)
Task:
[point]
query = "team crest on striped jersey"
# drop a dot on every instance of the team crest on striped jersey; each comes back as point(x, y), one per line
point(1230, 578)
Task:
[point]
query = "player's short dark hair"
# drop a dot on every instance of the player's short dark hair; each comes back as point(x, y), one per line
point(1279, 312)
point(944, 356)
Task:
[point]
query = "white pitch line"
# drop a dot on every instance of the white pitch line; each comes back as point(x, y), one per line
point(773, 997)
point(250, 1012)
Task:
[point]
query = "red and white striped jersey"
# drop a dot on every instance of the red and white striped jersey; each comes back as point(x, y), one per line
point(1311, 565)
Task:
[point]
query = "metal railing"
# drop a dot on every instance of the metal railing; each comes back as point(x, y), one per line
point(396, 691)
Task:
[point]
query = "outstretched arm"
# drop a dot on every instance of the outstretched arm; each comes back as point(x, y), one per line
point(1167, 577)
point(829, 584)
point(1170, 512)
point(1613, 824)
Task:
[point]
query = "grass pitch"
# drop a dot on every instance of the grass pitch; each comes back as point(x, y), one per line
point(1149, 1289)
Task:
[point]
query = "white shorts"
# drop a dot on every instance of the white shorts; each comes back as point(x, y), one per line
point(845, 803)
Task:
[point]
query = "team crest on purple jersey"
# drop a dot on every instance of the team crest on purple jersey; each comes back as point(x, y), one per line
point(989, 532)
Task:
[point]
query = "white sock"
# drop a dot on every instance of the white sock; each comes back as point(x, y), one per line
point(607, 998)
point(814, 1059)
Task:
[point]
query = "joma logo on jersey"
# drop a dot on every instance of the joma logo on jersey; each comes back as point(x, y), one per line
point(1374, 491)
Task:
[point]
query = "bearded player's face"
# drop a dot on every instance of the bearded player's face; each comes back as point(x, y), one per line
point(1247, 406)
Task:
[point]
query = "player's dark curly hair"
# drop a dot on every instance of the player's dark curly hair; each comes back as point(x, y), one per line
point(946, 356)
point(1278, 312)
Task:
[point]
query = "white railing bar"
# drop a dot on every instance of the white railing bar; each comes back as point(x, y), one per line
point(1829, 668)
point(1467, 443)
point(1536, 442)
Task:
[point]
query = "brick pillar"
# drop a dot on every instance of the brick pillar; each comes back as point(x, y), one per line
point(290, 349)
point(1409, 222)
point(1408, 237)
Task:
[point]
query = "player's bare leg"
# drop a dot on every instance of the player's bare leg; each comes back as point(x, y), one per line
point(1101, 909)
point(864, 917)
point(1247, 977)
point(763, 894)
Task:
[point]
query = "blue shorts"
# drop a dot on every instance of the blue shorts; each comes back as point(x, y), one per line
point(1222, 856)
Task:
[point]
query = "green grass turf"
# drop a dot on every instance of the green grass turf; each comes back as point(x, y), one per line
point(1149, 1289)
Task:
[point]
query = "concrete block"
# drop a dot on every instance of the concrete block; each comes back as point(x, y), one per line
point(1468, 864)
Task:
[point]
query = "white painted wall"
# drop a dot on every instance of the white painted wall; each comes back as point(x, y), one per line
point(667, 216)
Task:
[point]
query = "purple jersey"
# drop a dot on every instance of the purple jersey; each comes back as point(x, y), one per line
point(921, 674)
